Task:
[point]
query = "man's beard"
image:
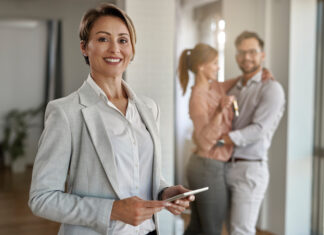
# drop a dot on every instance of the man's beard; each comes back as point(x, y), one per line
point(252, 70)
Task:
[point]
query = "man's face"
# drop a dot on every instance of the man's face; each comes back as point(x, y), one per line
point(249, 55)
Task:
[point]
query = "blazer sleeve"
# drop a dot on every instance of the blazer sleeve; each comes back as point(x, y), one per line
point(48, 198)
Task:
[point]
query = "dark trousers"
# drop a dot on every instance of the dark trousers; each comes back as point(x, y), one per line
point(209, 209)
point(152, 233)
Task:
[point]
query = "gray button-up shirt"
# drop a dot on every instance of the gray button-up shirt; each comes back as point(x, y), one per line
point(261, 107)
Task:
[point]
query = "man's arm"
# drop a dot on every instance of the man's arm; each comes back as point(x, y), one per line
point(266, 117)
point(229, 84)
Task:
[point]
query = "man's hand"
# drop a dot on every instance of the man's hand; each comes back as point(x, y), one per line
point(177, 206)
point(227, 140)
point(266, 75)
point(134, 210)
point(227, 101)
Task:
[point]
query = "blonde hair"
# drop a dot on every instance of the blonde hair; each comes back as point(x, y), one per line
point(104, 9)
point(191, 59)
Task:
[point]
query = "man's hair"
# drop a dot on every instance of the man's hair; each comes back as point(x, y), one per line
point(247, 34)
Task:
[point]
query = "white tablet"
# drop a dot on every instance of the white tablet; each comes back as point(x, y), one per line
point(186, 194)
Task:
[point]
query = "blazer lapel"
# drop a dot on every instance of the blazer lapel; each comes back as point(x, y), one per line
point(99, 137)
point(150, 123)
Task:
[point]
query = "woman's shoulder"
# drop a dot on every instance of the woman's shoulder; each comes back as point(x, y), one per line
point(68, 104)
point(66, 101)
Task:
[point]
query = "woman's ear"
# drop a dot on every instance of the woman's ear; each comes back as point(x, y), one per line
point(200, 68)
point(83, 47)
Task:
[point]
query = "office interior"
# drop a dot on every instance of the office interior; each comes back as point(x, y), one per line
point(40, 59)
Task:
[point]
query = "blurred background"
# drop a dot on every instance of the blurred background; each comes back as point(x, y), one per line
point(40, 60)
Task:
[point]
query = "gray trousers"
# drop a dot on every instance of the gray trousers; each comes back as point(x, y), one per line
point(208, 211)
point(247, 183)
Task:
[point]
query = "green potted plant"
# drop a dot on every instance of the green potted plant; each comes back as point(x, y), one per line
point(15, 132)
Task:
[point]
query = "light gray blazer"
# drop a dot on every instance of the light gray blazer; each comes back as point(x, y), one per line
point(74, 176)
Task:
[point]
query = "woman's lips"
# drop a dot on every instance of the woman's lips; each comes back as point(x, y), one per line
point(112, 60)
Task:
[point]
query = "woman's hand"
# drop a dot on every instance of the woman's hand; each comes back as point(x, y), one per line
point(227, 101)
point(134, 210)
point(179, 205)
point(266, 75)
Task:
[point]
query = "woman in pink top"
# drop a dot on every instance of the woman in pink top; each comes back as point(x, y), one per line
point(211, 112)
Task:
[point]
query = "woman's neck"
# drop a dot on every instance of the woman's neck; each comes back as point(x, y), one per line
point(201, 80)
point(111, 86)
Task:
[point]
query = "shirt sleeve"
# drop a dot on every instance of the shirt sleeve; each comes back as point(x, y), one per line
point(206, 132)
point(266, 116)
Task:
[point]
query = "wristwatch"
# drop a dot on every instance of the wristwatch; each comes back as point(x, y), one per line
point(220, 143)
point(161, 192)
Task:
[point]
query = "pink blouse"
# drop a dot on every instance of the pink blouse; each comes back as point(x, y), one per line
point(210, 122)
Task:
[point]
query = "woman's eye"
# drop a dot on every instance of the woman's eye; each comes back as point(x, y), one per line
point(102, 39)
point(123, 41)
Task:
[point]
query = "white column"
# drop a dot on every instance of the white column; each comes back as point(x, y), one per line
point(152, 74)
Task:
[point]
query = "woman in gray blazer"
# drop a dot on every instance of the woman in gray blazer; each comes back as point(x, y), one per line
point(97, 169)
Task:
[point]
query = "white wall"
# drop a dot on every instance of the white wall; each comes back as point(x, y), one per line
point(70, 12)
point(300, 116)
point(186, 38)
point(240, 16)
point(152, 73)
point(277, 51)
point(22, 66)
point(74, 68)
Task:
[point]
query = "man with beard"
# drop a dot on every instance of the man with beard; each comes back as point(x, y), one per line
point(261, 107)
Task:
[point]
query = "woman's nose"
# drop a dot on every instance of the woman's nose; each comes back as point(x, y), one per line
point(114, 47)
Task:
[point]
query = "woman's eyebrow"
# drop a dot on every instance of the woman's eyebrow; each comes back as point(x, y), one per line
point(104, 32)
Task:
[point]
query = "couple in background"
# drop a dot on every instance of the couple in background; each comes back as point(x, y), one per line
point(231, 150)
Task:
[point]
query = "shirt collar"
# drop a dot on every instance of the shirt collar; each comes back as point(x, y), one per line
point(130, 93)
point(255, 79)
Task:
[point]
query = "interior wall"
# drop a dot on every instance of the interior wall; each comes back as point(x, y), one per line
point(22, 76)
point(300, 116)
point(152, 74)
point(186, 38)
point(70, 12)
point(277, 51)
point(240, 16)
point(74, 68)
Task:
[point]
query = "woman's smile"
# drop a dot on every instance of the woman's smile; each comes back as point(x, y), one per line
point(109, 48)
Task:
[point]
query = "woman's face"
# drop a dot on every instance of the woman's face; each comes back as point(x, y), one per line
point(109, 48)
point(210, 69)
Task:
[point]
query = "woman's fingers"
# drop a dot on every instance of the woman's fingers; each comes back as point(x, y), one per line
point(134, 210)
